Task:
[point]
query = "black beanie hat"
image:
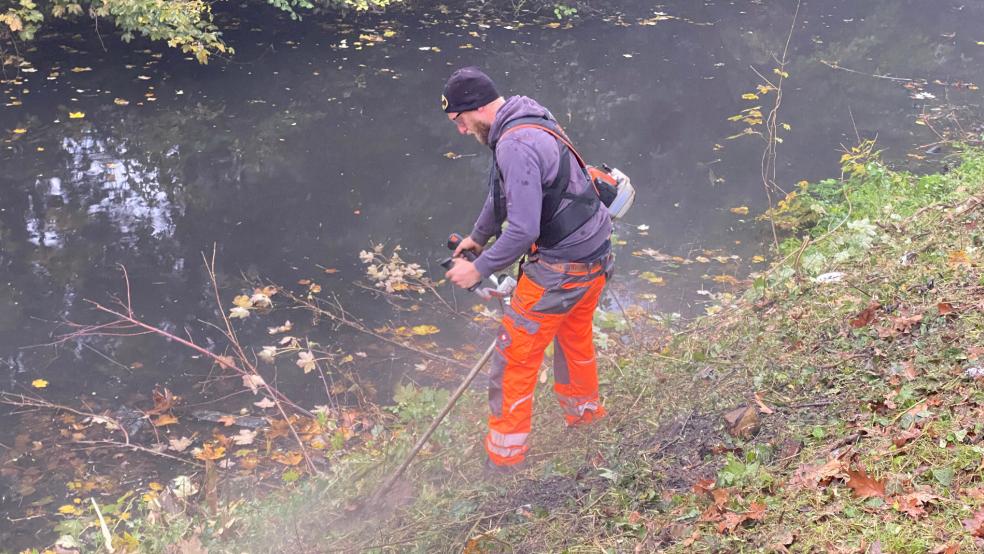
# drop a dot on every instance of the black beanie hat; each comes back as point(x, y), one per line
point(467, 88)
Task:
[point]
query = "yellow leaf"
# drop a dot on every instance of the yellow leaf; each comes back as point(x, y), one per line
point(76, 115)
point(652, 278)
point(68, 509)
point(389, 33)
point(749, 96)
point(315, 288)
point(80, 69)
point(210, 452)
point(787, 126)
point(19, 131)
point(39, 383)
point(980, 43)
point(155, 486)
point(740, 210)
point(242, 301)
point(763, 89)
point(780, 72)
point(165, 419)
point(287, 458)
point(120, 101)
point(421, 330)
point(958, 257)
point(758, 259)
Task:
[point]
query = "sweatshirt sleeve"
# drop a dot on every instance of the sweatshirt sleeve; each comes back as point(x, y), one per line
point(485, 225)
point(522, 181)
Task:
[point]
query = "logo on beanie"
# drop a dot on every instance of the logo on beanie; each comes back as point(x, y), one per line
point(444, 102)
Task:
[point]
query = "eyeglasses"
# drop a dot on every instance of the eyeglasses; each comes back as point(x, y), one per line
point(455, 118)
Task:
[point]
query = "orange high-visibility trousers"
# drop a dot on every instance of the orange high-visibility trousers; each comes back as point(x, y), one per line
point(547, 305)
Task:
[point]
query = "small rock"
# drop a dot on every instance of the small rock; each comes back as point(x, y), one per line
point(974, 372)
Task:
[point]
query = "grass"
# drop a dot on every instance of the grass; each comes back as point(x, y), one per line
point(863, 430)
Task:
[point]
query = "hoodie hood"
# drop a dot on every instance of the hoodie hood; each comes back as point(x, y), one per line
point(515, 108)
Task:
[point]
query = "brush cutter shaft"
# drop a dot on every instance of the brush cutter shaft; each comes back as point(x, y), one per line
point(437, 421)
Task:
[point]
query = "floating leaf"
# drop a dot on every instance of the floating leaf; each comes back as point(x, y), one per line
point(749, 96)
point(268, 354)
point(421, 330)
point(305, 361)
point(265, 403)
point(179, 445)
point(76, 115)
point(165, 419)
point(652, 278)
point(211, 451)
point(39, 383)
point(239, 312)
point(80, 69)
point(242, 301)
point(244, 438)
point(287, 326)
point(120, 102)
point(253, 382)
point(740, 210)
point(19, 131)
point(68, 509)
point(291, 458)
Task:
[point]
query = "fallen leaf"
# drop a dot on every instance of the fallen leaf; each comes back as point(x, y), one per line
point(652, 278)
point(265, 403)
point(742, 422)
point(287, 326)
point(268, 354)
point(76, 115)
point(306, 361)
point(239, 312)
point(975, 525)
point(906, 437)
point(120, 101)
point(179, 445)
point(244, 438)
point(20, 131)
point(749, 96)
point(242, 301)
point(68, 509)
point(945, 308)
point(80, 69)
point(811, 476)
point(958, 257)
point(740, 210)
point(315, 288)
point(866, 316)
point(422, 330)
point(260, 300)
point(756, 511)
point(227, 420)
point(210, 451)
point(762, 407)
point(864, 486)
point(291, 458)
point(720, 496)
point(164, 419)
point(253, 382)
point(39, 383)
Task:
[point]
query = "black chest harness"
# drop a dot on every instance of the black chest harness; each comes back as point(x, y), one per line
point(555, 224)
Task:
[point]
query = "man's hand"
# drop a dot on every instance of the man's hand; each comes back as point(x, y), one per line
point(467, 243)
point(463, 273)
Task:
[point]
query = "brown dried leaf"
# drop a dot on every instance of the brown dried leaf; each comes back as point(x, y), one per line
point(864, 486)
point(866, 316)
point(761, 405)
point(291, 458)
point(742, 422)
point(945, 308)
point(975, 525)
point(165, 419)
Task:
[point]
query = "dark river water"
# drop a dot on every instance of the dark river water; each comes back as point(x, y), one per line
point(312, 143)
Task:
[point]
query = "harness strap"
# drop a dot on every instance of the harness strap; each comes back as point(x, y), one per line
point(555, 224)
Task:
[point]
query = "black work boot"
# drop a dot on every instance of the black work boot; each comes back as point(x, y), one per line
point(493, 469)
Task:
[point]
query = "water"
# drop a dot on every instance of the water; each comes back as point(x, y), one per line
point(306, 148)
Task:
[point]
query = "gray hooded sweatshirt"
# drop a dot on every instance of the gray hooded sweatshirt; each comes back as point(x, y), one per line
point(528, 161)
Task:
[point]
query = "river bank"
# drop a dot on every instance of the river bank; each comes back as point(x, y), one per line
point(834, 404)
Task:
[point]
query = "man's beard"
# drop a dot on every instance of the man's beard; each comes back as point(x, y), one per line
point(482, 132)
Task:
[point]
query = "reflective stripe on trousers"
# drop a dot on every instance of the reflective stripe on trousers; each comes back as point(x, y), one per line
point(546, 306)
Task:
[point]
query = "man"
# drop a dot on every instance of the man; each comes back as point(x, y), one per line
point(538, 187)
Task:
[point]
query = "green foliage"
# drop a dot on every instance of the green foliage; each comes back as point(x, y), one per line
point(414, 404)
point(183, 24)
point(564, 11)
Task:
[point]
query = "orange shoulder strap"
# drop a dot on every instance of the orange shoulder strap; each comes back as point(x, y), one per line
point(580, 160)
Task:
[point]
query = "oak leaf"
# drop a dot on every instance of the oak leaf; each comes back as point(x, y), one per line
point(866, 316)
point(864, 486)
